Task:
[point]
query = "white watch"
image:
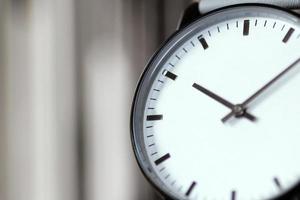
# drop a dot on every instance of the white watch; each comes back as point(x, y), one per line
point(216, 112)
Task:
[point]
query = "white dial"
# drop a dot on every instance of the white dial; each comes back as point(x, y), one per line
point(221, 117)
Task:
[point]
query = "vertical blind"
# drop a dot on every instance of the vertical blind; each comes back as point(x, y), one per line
point(68, 71)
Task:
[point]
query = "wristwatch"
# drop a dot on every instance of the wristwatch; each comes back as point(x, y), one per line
point(216, 113)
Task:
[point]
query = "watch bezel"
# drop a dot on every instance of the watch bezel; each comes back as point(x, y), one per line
point(166, 49)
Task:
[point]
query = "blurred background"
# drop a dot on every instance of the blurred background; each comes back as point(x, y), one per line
point(68, 71)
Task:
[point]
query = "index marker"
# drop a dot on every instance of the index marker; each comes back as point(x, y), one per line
point(162, 159)
point(170, 75)
point(233, 195)
point(288, 35)
point(154, 117)
point(189, 191)
point(277, 183)
point(246, 27)
point(203, 42)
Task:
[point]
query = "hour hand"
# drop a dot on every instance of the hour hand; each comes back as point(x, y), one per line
point(236, 109)
point(213, 96)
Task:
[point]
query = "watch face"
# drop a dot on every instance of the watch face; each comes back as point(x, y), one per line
point(217, 112)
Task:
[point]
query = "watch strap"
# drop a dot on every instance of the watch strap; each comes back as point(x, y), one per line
point(209, 5)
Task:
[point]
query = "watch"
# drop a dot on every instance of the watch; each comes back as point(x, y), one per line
point(216, 113)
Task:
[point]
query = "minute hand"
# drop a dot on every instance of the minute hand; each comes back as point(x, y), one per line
point(266, 86)
point(222, 100)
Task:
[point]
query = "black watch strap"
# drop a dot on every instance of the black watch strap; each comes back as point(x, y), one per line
point(209, 5)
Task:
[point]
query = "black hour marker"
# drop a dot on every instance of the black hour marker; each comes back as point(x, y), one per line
point(288, 35)
point(154, 117)
point(170, 75)
point(189, 191)
point(277, 183)
point(203, 42)
point(162, 159)
point(246, 27)
point(233, 195)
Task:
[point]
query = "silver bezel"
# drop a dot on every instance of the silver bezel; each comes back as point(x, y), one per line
point(160, 57)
